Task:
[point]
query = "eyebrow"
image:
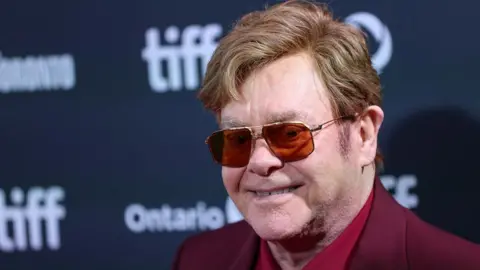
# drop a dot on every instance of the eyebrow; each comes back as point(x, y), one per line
point(231, 122)
point(290, 115)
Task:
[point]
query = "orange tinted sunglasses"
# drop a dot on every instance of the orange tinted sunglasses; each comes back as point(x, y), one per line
point(288, 141)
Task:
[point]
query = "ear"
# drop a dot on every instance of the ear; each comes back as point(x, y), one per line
point(370, 123)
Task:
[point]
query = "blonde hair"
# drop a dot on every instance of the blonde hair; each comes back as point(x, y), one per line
point(338, 50)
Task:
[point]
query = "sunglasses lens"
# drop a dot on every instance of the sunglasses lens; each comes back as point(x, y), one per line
point(231, 147)
point(289, 141)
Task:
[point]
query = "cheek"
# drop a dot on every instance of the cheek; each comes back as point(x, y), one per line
point(231, 179)
point(327, 150)
point(324, 169)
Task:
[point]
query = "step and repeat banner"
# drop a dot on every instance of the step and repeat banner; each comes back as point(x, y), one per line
point(102, 156)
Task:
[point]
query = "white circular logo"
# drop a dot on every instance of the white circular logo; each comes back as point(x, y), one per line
point(380, 32)
point(231, 210)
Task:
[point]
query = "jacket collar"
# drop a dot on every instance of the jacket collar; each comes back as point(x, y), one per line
point(247, 256)
point(381, 244)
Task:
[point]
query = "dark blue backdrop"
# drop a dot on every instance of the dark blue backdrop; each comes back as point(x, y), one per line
point(103, 162)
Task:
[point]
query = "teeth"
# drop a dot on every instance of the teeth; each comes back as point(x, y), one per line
point(277, 192)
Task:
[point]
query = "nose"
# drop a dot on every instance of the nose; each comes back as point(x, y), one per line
point(263, 162)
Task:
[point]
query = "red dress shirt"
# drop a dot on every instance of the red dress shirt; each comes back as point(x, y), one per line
point(335, 256)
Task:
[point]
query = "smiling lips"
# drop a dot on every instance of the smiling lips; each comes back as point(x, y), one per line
point(275, 191)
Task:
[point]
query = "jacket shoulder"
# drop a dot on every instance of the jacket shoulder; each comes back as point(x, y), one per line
point(212, 249)
point(429, 247)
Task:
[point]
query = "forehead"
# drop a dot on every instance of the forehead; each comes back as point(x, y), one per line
point(286, 90)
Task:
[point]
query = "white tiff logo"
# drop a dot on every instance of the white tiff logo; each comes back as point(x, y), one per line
point(26, 215)
point(36, 73)
point(188, 52)
point(190, 57)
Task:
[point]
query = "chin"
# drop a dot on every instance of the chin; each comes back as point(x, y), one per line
point(275, 226)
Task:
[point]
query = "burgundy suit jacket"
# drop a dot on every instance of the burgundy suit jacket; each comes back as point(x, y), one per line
point(393, 238)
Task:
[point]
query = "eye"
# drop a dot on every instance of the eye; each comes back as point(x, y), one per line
point(237, 137)
point(241, 139)
point(291, 133)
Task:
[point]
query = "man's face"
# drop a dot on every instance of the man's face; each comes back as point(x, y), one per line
point(291, 87)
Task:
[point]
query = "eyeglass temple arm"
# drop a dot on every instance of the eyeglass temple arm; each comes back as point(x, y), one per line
point(348, 117)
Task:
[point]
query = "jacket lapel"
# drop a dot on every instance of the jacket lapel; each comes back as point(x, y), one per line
point(247, 256)
point(382, 242)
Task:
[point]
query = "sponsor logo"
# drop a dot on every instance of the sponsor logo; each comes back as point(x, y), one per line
point(29, 214)
point(401, 188)
point(178, 59)
point(380, 33)
point(36, 73)
point(196, 44)
point(139, 219)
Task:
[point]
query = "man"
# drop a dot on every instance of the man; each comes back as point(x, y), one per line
point(298, 104)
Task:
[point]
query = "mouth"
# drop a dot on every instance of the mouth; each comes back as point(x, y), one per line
point(276, 192)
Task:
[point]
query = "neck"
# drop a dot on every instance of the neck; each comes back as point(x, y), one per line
point(296, 252)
